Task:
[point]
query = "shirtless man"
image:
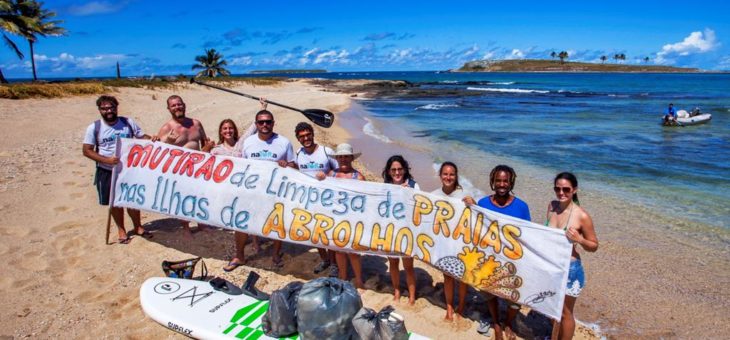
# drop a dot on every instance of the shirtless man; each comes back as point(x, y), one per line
point(185, 132)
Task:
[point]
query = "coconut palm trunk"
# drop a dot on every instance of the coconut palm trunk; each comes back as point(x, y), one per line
point(32, 59)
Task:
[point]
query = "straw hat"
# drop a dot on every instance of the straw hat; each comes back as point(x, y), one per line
point(345, 149)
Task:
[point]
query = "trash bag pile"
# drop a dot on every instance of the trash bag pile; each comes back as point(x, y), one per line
point(328, 308)
point(383, 325)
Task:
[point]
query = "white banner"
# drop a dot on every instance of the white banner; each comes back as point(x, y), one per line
point(515, 259)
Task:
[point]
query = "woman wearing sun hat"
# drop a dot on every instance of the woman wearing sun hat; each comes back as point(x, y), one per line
point(344, 156)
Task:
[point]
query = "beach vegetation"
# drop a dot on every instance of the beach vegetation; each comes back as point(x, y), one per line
point(603, 59)
point(646, 59)
point(79, 87)
point(40, 90)
point(211, 64)
point(553, 55)
point(546, 65)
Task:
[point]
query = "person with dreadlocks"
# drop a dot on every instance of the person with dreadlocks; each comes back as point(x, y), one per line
point(502, 181)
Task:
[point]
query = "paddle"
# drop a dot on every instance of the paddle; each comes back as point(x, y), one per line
point(322, 118)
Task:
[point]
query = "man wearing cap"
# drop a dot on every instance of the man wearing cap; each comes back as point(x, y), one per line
point(313, 159)
point(265, 145)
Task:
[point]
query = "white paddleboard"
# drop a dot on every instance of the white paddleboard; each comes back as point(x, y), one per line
point(195, 309)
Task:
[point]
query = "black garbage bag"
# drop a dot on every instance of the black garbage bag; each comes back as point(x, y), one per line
point(280, 320)
point(325, 309)
point(383, 325)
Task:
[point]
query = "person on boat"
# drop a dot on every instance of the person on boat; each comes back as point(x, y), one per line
point(345, 156)
point(565, 213)
point(502, 181)
point(671, 115)
point(449, 176)
point(316, 160)
point(695, 112)
point(278, 149)
point(398, 172)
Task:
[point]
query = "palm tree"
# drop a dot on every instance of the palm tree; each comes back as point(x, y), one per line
point(563, 55)
point(622, 57)
point(28, 19)
point(616, 57)
point(603, 59)
point(211, 64)
point(43, 27)
point(553, 55)
point(13, 22)
point(646, 59)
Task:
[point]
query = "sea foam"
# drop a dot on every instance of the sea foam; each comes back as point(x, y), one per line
point(370, 130)
point(491, 89)
point(435, 106)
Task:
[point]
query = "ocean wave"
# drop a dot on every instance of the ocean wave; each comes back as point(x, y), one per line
point(504, 83)
point(435, 106)
point(491, 89)
point(370, 130)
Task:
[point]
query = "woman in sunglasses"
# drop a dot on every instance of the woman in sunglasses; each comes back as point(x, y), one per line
point(397, 172)
point(565, 213)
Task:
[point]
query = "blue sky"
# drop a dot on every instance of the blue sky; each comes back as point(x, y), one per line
point(163, 37)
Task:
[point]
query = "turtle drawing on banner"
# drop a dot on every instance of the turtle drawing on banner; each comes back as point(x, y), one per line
point(471, 267)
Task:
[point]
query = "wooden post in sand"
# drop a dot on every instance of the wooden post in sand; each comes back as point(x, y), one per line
point(108, 225)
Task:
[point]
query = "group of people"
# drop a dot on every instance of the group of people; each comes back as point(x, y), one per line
point(321, 162)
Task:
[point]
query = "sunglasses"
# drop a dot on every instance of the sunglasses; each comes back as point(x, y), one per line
point(263, 122)
point(107, 108)
point(304, 135)
point(565, 190)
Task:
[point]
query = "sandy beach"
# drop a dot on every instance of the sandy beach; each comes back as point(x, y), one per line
point(652, 277)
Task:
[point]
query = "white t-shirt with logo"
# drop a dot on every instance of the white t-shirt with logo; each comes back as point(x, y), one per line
point(108, 136)
point(320, 160)
point(274, 149)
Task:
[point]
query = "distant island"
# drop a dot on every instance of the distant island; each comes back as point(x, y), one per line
point(287, 71)
point(539, 65)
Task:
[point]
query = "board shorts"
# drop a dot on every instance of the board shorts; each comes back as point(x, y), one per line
point(103, 182)
point(576, 278)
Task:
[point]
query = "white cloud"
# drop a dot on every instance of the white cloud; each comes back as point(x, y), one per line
point(694, 43)
point(515, 54)
point(96, 7)
point(241, 61)
point(724, 63)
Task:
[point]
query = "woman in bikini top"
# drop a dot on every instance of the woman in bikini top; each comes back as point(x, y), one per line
point(566, 214)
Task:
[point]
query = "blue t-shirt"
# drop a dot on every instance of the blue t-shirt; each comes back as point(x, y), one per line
point(671, 112)
point(518, 208)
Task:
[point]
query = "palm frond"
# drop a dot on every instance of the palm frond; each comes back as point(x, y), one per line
point(13, 46)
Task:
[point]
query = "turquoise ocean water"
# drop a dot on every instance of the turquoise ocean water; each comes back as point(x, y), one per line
point(604, 127)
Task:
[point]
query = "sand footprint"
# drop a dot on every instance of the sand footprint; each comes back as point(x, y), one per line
point(61, 209)
point(77, 195)
point(66, 226)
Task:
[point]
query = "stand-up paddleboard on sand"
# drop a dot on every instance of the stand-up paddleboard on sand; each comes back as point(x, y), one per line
point(195, 309)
